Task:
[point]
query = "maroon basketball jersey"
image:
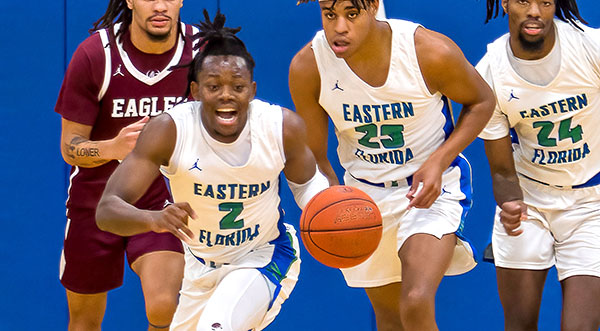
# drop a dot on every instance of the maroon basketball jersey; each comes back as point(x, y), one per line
point(110, 84)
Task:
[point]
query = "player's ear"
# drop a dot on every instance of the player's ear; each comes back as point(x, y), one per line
point(505, 6)
point(373, 7)
point(195, 90)
point(129, 4)
point(253, 90)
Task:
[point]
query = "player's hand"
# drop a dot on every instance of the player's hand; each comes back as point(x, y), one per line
point(174, 219)
point(426, 186)
point(125, 141)
point(513, 212)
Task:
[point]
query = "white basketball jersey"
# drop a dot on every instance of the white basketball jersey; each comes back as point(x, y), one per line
point(555, 128)
point(237, 206)
point(385, 133)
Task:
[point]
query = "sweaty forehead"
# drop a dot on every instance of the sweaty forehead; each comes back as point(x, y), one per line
point(228, 62)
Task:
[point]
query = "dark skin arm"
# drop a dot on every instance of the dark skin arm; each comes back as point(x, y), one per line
point(305, 84)
point(505, 182)
point(446, 70)
point(300, 165)
point(116, 213)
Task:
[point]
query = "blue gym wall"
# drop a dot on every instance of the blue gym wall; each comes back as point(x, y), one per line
point(39, 38)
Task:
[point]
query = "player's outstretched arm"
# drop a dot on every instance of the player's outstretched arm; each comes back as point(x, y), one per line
point(505, 183)
point(305, 84)
point(446, 70)
point(301, 171)
point(77, 149)
point(131, 179)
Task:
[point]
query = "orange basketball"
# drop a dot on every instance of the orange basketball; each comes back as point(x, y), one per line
point(341, 226)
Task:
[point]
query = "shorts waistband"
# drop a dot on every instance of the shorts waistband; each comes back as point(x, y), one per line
point(208, 263)
point(591, 182)
point(393, 183)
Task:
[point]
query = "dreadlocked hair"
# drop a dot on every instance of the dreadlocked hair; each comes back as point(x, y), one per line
point(360, 4)
point(117, 12)
point(216, 39)
point(566, 11)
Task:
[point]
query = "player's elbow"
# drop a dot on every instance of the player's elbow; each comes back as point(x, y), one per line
point(103, 215)
point(67, 156)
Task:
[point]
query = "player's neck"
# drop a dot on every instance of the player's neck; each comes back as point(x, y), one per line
point(372, 59)
point(143, 42)
point(524, 53)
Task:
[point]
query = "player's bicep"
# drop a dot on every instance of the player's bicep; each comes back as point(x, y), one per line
point(300, 163)
point(140, 168)
point(445, 69)
point(304, 82)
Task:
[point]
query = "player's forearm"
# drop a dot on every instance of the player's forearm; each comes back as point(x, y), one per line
point(82, 152)
point(506, 188)
point(471, 122)
point(115, 215)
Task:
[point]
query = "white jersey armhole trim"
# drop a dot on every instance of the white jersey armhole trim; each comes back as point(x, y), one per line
point(107, 63)
point(282, 143)
point(195, 51)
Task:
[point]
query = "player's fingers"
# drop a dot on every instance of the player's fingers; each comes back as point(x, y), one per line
point(133, 135)
point(142, 121)
point(513, 230)
point(524, 216)
point(510, 217)
point(188, 209)
point(180, 235)
point(187, 232)
point(133, 128)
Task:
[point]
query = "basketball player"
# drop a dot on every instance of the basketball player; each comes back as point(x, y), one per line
point(223, 155)
point(385, 85)
point(546, 75)
point(117, 79)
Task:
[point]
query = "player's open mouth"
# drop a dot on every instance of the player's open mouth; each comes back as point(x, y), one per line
point(533, 29)
point(340, 46)
point(226, 115)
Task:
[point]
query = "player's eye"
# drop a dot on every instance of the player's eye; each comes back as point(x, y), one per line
point(352, 15)
point(329, 15)
point(239, 88)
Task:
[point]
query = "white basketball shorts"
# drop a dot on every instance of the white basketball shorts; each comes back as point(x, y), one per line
point(562, 229)
point(445, 216)
point(272, 271)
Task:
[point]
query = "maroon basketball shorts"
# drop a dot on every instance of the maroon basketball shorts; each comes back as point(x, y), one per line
point(92, 260)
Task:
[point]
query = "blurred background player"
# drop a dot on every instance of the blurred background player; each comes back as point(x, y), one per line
point(546, 76)
point(385, 84)
point(118, 78)
point(222, 155)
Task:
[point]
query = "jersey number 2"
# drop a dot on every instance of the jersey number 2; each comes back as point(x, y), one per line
point(229, 221)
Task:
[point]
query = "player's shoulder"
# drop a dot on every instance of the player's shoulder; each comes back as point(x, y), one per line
point(263, 108)
point(434, 43)
point(92, 48)
point(304, 71)
point(304, 60)
point(183, 109)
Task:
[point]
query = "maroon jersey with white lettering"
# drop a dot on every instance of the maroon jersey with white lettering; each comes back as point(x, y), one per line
point(110, 84)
